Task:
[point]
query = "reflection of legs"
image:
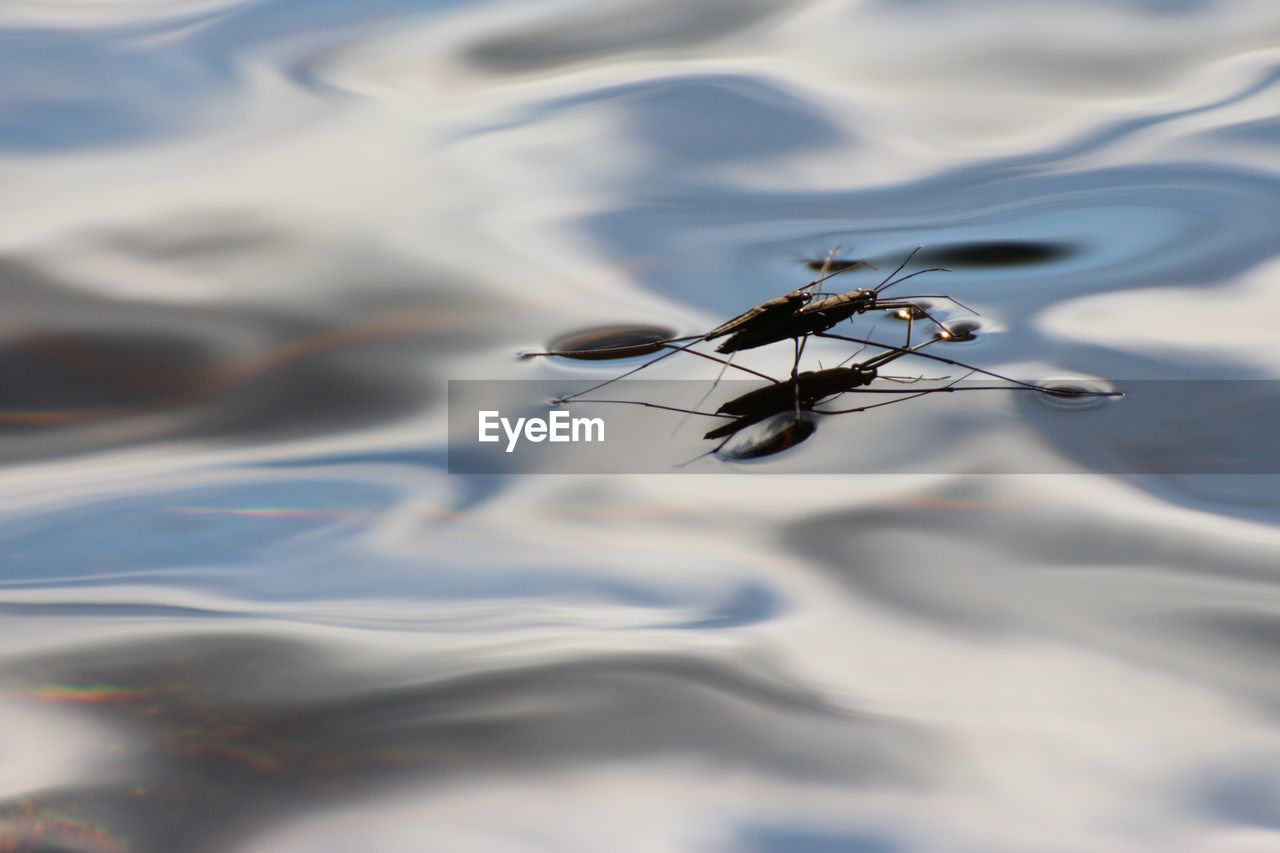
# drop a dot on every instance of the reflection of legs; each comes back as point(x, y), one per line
point(686, 412)
point(651, 361)
point(853, 340)
point(946, 387)
point(672, 350)
point(951, 387)
point(911, 380)
point(713, 451)
point(727, 364)
point(795, 371)
point(948, 298)
point(860, 349)
point(660, 406)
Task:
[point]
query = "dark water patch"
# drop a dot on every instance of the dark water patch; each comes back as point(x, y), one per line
point(228, 735)
point(1144, 226)
point(707, 121)
point(61, 378)
point(695, 122)
point(1265, 131)
point(625, 341)
point(941, 557)
point(316, 394)
point(102, 611)
point(959, 331)
point(1256, 634)
point(1250, 496)
point(1248, 636)
point(1229, 645)
point(1242, 796)
point(835, 265)
point(801, 839)
point(1074, 394)
point(997, 253)
point(1143, 7)
point(1174, 427)
point(750, 604)
point(85, 371)
point(590, 34)
point(207, 235)
point(160, 385)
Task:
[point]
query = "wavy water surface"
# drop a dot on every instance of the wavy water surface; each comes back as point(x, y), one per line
point(245, 244)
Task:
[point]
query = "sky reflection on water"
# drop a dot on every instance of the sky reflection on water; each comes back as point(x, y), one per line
point(245, 244)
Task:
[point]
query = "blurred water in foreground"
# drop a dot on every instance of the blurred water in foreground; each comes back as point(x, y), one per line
point(243, 245)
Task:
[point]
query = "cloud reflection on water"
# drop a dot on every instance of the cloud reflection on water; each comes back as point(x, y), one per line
point(245, 244)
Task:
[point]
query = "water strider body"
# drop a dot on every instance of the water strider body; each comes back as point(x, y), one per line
point(821, 315)
point(792, 316)
point(766, 315)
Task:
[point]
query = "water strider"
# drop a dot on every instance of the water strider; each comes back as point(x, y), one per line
point(792, 316)
point(763, 315)
point(821, 315)
point(800, 315)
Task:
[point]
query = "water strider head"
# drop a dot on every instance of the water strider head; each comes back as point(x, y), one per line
point(842, 306)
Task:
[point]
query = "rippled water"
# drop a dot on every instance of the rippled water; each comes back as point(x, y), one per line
point(245, 244)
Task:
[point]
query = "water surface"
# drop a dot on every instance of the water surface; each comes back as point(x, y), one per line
point(246, 244)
